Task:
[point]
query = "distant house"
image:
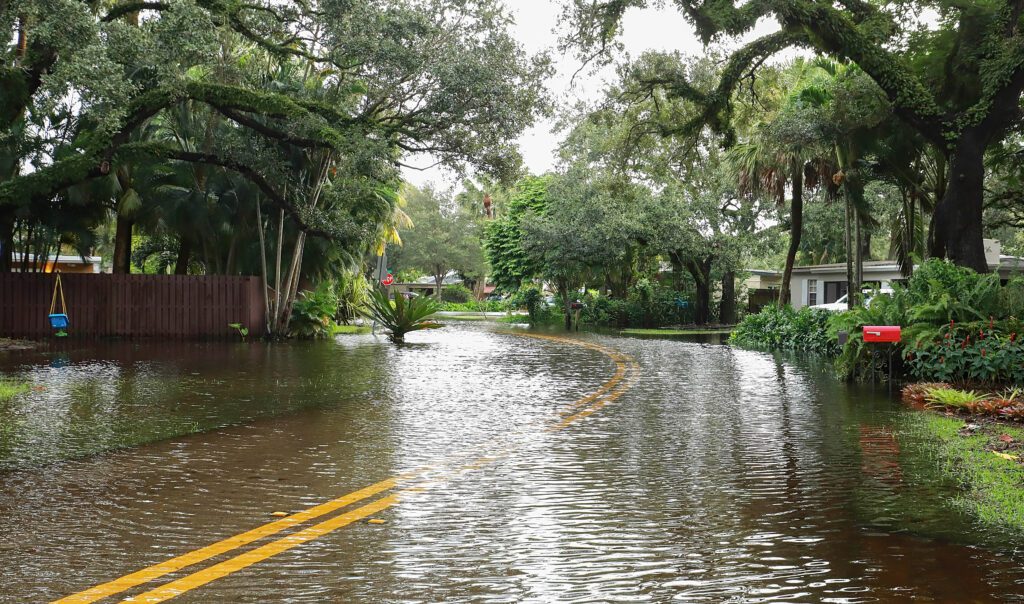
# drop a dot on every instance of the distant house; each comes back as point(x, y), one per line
point(425, 286)
point(826, 283)
point(762, 288)
point(65, 263)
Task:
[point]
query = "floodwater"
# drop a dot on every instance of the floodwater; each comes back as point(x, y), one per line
point(593, 468)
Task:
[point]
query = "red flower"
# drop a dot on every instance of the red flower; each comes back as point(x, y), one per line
point(982, 352)
point(1013, 337)
point(942, 360)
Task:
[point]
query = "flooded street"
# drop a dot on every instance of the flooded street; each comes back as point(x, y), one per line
point(505, 467)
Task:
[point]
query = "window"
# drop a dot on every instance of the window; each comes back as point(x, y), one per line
point(834, 290)
point(812, 292)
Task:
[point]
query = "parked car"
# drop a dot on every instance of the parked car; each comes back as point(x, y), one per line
point(841, 304)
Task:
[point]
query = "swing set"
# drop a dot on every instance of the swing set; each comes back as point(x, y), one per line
point(59, 320)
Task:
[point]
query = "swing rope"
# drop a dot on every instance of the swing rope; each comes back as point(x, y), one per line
point(58, 286)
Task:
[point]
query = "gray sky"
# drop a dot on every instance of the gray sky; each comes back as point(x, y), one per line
point(650, 29)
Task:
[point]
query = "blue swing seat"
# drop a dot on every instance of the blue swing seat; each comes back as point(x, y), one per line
point(59, 321)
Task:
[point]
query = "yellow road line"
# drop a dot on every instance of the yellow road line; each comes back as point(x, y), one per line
point(215, 549)
point(199, 578)
point(222, 569)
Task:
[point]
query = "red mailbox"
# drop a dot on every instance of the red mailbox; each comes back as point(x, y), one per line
point(889, 334)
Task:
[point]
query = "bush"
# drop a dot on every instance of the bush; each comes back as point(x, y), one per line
point(313, 312)
point(474, 306)
point(530, 298)
point(985, 353)
point(782, 328)
point(457, 293)
point(648, 304)
point(958, 326)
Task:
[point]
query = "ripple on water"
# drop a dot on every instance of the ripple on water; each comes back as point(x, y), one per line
point(721, 475)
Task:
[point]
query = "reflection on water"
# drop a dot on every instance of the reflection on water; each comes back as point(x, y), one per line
point(721, 475)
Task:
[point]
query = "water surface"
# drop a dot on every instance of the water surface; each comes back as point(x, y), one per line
point(720, 475)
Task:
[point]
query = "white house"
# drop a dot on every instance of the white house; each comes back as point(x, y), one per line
point(826, 283)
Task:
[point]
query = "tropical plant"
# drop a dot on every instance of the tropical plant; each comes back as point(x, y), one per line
point(952, 398)
point(313, 312)
point(400, 316)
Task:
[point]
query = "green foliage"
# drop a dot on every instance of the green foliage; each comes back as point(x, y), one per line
point(444, 237)
point(958, 326)
point(313, 312)
point(649, 304)
point(457, 293)
point(400, 316)
point(531, 298)
point(986, 353)
point(503, 239)
point(475, 306)
point(951, 397)
point(353, 292)
point(782, 328)
point(243, 331)
point(11, 388)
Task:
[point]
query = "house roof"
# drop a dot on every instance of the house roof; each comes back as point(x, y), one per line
point(870, 266)
point(62, 258)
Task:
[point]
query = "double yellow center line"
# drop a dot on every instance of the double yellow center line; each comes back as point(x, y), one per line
point(625, 373)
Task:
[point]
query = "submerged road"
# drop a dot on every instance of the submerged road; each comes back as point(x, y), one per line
point(476, 463)
point(396, 488)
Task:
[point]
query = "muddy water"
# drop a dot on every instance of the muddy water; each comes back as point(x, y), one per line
point(719, 475)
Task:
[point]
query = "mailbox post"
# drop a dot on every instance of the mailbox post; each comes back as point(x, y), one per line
point(889, 335)
point(577, 308)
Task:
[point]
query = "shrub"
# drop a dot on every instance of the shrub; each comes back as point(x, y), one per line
point(530, 298)
point(958, 326)
point(457, 292)
point(988, 353)
point(313, 312)
point(782, 328)
point(473, 306)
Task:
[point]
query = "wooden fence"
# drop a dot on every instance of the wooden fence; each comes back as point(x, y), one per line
point(132, 306)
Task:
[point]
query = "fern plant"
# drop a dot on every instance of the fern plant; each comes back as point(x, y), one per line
point(400, 316)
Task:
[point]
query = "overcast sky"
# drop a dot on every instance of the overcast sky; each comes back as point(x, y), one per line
point(650, 29)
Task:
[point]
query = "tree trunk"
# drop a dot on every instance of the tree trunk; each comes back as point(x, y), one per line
point(184, 256)
point(958, 215)
point(727, 307)
point(123, 246)
point(563, 291)
point(848, 243)
point(439, 282)
point(677, 270)
point(858, 254)
point(7, 240)
point(796, 217)
point(701, 272)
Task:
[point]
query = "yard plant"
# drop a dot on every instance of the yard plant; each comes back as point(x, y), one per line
point(401, 316)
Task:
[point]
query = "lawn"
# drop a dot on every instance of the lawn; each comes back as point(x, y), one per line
point(10, 389)
point(677, 332)
point(985, 458)
point(349, 329)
